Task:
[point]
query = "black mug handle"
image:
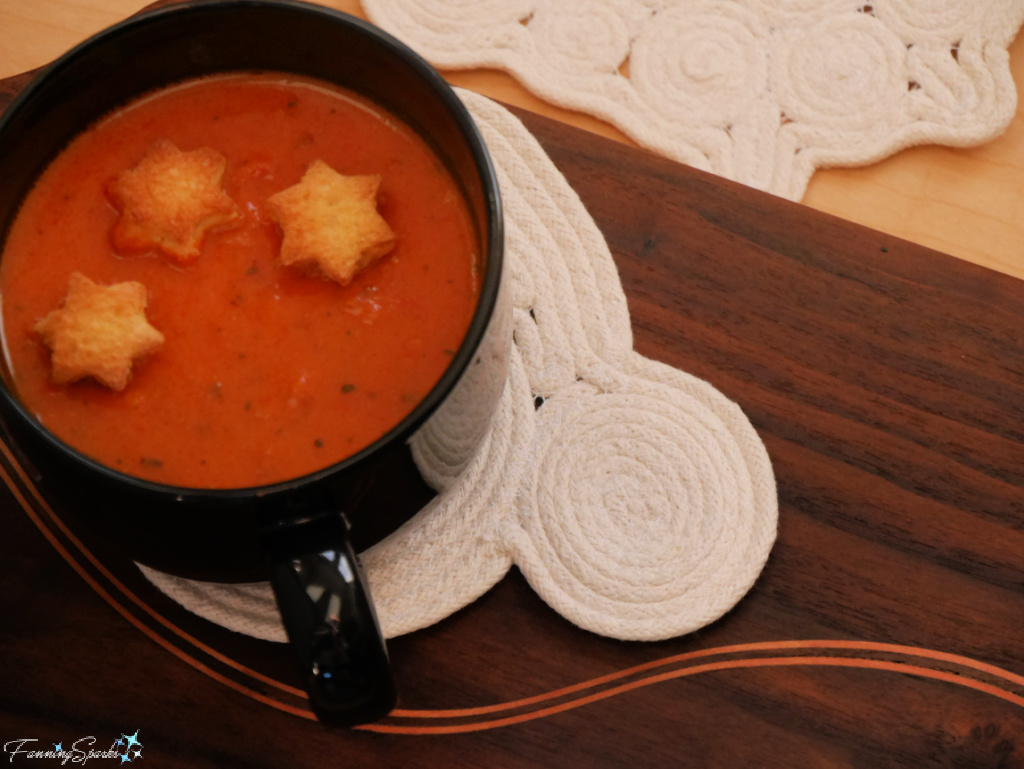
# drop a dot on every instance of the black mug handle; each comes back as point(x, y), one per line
point(330, 619)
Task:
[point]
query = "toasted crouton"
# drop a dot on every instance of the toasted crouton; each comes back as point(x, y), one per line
point(99, 332)
point(331, 223)
point(170, 200)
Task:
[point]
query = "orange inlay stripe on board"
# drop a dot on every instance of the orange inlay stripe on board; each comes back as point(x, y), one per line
point(180, 654)
point(864, 646)
point(848, 662)
point(124, 589)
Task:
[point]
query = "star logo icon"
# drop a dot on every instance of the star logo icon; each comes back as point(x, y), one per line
point(57, 746)
point(132, 747)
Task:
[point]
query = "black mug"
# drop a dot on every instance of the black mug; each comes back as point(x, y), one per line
point(300, 534)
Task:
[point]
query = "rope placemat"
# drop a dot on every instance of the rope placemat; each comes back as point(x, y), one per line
point(636, 499)
point(759, 91)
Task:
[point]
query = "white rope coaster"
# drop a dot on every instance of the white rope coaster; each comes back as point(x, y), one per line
point(759, 91)
point(636, 499)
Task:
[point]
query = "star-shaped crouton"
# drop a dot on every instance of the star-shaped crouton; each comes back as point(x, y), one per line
point(170, 200)
point(331, 223)
point(99, 332)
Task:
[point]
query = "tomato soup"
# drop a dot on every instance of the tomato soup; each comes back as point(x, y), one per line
point(266, 373)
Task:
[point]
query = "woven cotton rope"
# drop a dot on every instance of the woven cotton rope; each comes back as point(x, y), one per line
point(636, 499)
point(759, 91)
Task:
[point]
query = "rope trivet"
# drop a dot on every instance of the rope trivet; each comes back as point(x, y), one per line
point(636, 499)
point(759, 91)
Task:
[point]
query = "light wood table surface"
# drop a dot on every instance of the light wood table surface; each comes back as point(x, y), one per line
point(965, 202)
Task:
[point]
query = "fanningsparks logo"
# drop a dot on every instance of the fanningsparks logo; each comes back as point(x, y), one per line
point(125, 748)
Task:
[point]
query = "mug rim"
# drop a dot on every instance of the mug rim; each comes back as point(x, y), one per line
point(492, 245)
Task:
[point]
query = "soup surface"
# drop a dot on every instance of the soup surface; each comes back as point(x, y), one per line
point(266, 373)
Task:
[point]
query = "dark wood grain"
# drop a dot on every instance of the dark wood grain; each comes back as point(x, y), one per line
point(887, 382)
point(12, 86)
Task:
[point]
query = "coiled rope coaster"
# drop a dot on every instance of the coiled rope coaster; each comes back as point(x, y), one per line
point(759, 91)
point(636, 499)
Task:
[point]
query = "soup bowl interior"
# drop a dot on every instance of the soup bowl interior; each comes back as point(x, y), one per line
point(214, 534)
